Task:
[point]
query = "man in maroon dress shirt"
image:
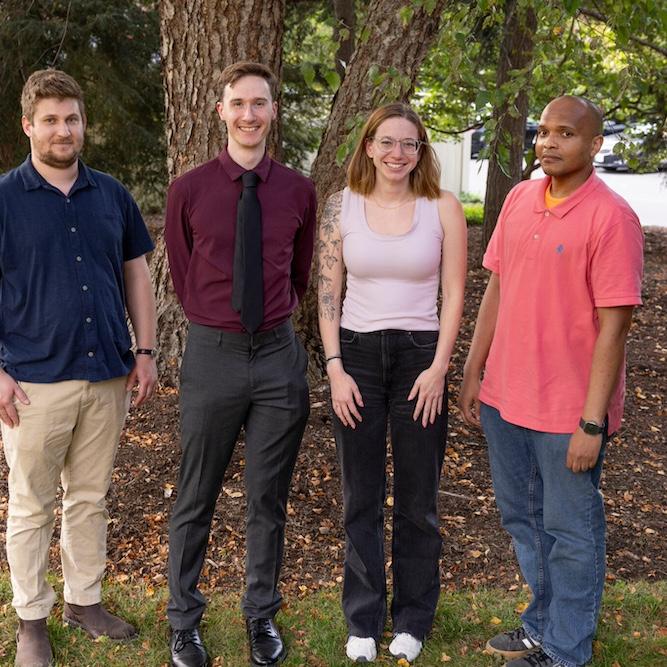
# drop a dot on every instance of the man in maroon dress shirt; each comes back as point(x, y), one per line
point(240, 368)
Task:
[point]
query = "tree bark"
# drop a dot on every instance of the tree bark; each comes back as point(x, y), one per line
point(516, 56)
point(386, 38)
point(199, 39)
point(345, 21)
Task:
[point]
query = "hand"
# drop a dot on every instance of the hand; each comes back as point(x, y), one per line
point(428, 389)
point(9, 389)
point(345, 395)
point(583, 451)
point(469, 399)
point(143, 375)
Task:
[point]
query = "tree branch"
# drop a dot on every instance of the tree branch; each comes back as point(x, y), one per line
point(638, 40)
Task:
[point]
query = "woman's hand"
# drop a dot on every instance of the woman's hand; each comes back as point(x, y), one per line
point(345, 395)
point(429, 390)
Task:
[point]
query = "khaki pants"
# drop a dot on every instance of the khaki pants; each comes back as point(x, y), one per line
point(69, 432)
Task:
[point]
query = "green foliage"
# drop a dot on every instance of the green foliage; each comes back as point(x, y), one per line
point(631, 630)
point(474, 213)
point(609, 61)
point(112, 49)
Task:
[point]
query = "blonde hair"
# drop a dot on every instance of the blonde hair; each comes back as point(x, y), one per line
point(424, 178)
point(45, 83)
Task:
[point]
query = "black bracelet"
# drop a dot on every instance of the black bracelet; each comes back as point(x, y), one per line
point(334, 356)
point(146, 350)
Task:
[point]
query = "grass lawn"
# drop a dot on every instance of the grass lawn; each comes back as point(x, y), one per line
point(632, 631)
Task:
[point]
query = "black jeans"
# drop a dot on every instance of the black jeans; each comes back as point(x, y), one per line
point(385, 365)
point(229, 381)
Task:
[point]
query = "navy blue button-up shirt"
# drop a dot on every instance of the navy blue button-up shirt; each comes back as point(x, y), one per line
point(62, 292)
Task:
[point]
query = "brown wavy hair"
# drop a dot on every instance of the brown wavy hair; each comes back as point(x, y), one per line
point(424, 178)
point(232, 73)
point(45, 83)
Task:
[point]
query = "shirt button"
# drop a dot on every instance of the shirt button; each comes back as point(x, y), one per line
point(68, 200)
point(78, 258)
point(84, 288)
point(546, 213)
point(91, 354)
point(536, 236)
point(89, 320)
point(72, 229)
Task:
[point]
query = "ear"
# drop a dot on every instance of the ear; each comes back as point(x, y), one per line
point(26, 125)
point(219, 107)
point(274, 106)
point(596, 144)
point(369, 147)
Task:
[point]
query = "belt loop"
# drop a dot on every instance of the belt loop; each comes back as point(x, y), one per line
point(220, 338)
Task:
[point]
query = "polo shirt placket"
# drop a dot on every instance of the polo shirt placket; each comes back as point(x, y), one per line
point(79, 257)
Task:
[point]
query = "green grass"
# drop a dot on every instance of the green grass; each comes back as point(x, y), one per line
point(632, 631)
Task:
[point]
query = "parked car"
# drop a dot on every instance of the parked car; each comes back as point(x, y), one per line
point(612, 158)
point(477, 142)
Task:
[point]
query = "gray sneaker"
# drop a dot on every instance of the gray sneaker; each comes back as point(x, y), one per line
point(512, 644)
point(537, 658)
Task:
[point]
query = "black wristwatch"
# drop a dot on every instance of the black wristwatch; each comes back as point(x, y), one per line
point(150, 351)
point(591, 427)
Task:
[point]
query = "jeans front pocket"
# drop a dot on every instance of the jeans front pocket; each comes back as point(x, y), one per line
point(424, 340)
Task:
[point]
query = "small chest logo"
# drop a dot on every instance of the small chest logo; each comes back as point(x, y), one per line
point(560, 249)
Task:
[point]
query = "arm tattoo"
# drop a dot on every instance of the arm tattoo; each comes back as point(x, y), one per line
point(328, 249)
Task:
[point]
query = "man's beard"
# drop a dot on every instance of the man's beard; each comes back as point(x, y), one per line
point(52, 160)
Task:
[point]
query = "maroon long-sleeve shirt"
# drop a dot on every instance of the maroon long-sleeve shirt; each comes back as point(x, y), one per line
point(201, 225)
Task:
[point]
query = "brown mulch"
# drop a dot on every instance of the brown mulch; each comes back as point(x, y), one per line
point(476, 550)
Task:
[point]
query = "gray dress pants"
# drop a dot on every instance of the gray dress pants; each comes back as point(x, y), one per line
point(229, 381)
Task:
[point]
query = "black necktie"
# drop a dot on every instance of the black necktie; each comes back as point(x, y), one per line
point(248, 282)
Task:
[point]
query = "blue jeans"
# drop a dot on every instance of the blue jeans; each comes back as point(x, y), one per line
point(556, 520)
point(385, 365)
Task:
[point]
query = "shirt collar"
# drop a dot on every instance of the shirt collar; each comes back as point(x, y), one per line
point(32, 179)
point(560, 211)
point(235, 171)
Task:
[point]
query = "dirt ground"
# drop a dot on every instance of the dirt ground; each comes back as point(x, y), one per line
point(476, 551)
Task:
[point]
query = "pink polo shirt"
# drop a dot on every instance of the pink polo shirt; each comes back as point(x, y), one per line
point(556, 266)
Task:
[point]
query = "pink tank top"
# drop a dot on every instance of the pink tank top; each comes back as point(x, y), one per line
point(392, 281)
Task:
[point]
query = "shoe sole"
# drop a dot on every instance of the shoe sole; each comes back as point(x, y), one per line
point(75, 624)
point(281, 658)
point(513, 655)
point(207, 663)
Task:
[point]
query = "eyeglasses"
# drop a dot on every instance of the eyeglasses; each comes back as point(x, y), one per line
point(408, 146)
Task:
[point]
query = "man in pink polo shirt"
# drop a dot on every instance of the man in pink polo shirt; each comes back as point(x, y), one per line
point(566, 263)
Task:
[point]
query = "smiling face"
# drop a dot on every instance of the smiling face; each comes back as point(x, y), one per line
point(247, 109)
point(56, 132)
point(568, 137)
point(393, 165)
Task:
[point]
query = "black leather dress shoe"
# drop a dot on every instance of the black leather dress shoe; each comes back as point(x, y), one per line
point(266, 646)
point(187, 649)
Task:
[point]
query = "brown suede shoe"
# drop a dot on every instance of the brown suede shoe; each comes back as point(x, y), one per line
point(98, 622)
point(32, 644)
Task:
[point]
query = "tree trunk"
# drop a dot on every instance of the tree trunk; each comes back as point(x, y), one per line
point(516, 55)
point(199, 39)
point(344, 34)
point(396, 40)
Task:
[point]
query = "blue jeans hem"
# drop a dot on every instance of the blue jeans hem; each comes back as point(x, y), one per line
point(554, 655)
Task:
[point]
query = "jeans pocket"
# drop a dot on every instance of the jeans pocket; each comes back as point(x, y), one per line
point(347, 337)
point(424, 340)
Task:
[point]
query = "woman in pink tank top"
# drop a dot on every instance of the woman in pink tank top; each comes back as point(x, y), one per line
point(398, 239)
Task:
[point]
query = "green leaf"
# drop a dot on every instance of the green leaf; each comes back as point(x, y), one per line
point(308, 72)
point(406, 13)
point(332, 79)
point(341, 154)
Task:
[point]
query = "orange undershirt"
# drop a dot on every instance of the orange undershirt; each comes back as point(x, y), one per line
point(550, 201)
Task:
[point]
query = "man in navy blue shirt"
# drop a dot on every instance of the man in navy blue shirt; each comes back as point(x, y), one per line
point(72, 259)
